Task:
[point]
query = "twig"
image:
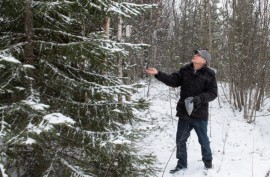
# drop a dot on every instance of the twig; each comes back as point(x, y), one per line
point(168, 161)
point(175, 148)
point(112, 161)
point(170, 104)
point(252, 163)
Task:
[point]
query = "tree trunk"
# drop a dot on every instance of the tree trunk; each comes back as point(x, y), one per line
point(209, 27)
point(119, 59)
point(107, 35)
point(28, 27)
point(203, 32)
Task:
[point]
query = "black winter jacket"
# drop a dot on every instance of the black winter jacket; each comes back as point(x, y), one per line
point(201, 85)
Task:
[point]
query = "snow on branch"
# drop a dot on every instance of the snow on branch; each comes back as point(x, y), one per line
point(48, 121)
point(17, 48)
point(58, 118)
point(64, 33)
point(58, 72)
point(112, 79)
point(33, 100)
point(127, 9)
point(119, 136)
point(75, 169)
point(10, 59)
point(95, 6)
point(95, 104)
point(36, 106)
point(123, 89)
point(74, 82)
point(14, 75)
point(52, 44)
point(3, 171)
point(52, 4)
point(114, 46)
point(3, 126)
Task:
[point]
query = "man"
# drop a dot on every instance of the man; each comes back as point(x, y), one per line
point(197, 82)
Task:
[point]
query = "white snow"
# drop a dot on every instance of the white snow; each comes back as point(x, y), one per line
point(58, 118)
point(30, 141)
point(239, 149)
point(47, 125)
point(9, 59)
point(29, 66)
point(2, 169)
point(36, 106)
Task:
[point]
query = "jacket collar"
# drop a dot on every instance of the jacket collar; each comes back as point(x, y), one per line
point(199, 70)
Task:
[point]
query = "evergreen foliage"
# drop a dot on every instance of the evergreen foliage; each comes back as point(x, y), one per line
point(59, 112)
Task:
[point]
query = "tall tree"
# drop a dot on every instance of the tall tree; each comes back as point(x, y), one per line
point(185, 26)
point(59, 113)
point(246, 58)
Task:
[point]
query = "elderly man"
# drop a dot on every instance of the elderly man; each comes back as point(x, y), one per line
point(198, 87)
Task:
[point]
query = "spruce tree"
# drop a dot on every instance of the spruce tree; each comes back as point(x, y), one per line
point(59, 110)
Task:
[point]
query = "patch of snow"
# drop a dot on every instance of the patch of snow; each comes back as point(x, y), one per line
point(239, 148)
point(36, 106)
point(47, 123)
point(29, 66)
point(2, 169)
point(20, 88)
point(9, 59)
point(30, 141)
point(58, 118)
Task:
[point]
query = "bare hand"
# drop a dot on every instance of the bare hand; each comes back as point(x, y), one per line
point(151, 71)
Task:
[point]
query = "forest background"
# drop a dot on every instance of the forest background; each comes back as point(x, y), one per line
point(69, 70)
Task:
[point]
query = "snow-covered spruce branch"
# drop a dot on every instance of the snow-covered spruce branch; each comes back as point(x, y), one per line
point(107, 46)
point(23, 107)
point(6, 36)
point(113, 79)
point(74, 81)
point(2, 169)
point(95, 6)
point(14, 76)
point(16, 139)
point(59, 73)
point(52, 4)
point(117, 89)
point(113, 44)
point(16, 48)
point(99, 103)
point(12, 20)
point(112, 136)
point(64, 33)
point(50, 169)
point(108, 133)
point(57, 44)
point(128, 9)
point(75, 169)
point(3, 125)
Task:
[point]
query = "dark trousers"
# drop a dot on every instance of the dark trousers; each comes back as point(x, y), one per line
point(183, 133)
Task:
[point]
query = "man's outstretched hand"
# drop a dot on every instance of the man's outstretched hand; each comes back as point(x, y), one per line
point(151, 71)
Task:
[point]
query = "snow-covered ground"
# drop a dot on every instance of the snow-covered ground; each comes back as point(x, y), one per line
point(239, 149)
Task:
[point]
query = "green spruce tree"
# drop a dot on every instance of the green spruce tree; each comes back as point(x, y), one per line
point(59, 110)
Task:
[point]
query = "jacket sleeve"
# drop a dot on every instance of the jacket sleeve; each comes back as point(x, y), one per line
point(172, 80)
point(211, 91)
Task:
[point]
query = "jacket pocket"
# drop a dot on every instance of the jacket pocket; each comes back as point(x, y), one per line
point(181, 109)
point(200, 111)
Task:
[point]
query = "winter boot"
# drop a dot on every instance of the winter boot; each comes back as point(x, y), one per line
point(208, 164)
point(176, 169)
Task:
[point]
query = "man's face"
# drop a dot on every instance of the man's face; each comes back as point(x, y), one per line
point(198, 59)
